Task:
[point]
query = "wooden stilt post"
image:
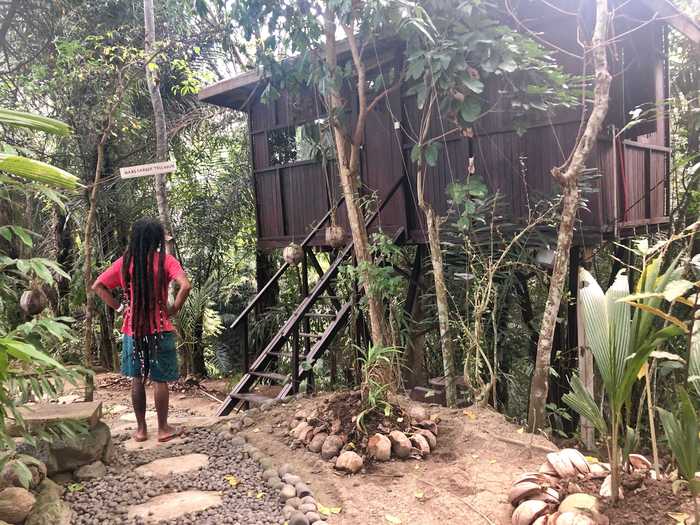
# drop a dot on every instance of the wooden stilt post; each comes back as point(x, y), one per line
point(306, 323)
point(295, 360)
point(244, 336)
point(585, 357)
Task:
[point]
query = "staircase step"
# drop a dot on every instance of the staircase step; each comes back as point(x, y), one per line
point(282, 378)
point(250, 398)
point(312, 336)
point(321, 316)
point(287, 354)
point(329, 298)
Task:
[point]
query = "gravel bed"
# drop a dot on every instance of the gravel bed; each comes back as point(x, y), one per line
point(105, 501)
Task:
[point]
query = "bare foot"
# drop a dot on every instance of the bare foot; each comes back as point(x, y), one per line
point(140, 436)
point(167, 433)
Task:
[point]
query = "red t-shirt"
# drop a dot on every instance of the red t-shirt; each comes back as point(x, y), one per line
point(112, 278)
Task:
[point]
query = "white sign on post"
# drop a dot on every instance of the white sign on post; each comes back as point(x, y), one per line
point(145, 170)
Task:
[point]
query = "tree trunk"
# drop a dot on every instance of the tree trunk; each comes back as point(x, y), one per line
point(569, 182)
point(198, 368)
point(159, 119)
point(441, 298)
point(415, 372)
point(87, 266)
point(348, 154)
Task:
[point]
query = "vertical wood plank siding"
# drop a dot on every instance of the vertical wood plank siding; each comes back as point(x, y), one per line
point(292, 197)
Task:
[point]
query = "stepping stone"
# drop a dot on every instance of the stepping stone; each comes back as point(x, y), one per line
point(151, 443)
point(161, 468)
point(115, 409)
point(172, 506)
point(40, 414)
point(131, 417)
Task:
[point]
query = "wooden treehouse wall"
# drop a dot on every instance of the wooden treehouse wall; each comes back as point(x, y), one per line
point(292, 193)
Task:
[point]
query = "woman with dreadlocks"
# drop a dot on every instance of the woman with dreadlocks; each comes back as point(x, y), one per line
point(144, 273)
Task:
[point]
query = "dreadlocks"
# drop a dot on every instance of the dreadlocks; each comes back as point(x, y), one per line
point(146, 287)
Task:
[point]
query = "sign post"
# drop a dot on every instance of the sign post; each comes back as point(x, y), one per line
point(145, 170)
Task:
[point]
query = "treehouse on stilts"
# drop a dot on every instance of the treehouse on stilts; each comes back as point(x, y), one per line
point(296, 184)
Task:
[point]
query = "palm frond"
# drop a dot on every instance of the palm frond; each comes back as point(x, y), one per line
point(580, 400)
point(37, 171)
point(34, 122)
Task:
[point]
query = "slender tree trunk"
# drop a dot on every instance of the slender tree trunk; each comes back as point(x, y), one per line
point(441, 298)
point(88, 339)
point(348, 153)
point(569, 182)
point(160, 126)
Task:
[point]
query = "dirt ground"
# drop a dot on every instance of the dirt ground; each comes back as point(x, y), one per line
point(465, 481)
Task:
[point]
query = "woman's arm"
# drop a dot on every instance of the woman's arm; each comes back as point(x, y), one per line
point(183, 291)
point(105, 294)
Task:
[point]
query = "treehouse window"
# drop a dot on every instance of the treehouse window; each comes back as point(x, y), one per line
point(293, 144)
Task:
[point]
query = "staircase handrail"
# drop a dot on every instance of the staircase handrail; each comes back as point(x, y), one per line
point(254, 301)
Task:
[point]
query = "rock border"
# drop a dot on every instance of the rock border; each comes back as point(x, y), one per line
point(332, 445)
point(301, 507)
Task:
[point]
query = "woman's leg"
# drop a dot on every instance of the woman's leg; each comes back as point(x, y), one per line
point(138, 400)
point(162, 397)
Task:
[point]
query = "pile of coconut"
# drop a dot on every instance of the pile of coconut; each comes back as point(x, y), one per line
point(333, 431)
point(537, 496)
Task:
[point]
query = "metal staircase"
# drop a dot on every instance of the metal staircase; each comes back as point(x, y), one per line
point(307, 333)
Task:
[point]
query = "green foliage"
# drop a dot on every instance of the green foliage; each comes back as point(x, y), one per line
point(684, 439)
point(456, 50)
point(470, 199)
point(374, 397)
point(621, 347)
point(26, 371)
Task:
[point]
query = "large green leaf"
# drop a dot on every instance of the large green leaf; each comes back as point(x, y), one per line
point(620, 319)
point(682, 435)
point(595, 314)
point(37, 171)
point(35, 122)
point(582, 402)
point(27, 352)
point(694, 357)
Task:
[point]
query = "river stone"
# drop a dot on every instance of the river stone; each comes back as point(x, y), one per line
point(317, 442)
point(421, 444)
point(15, 504)
point(291, 479)
point(72, 453)
point(92, 471)
point(9, 476)
point(293, 502)
point(285, 469)
point(49, 508)
point(427, 434)
point(307, 507)
point(303, 490)
point(288, 491)
point(349, 461)
point(161, 468)
point(418, 413)
point(297, 518)
point(173, 505)
point(332, 446)
point(270, 474)
point(400, 444)
point(379, 447)
point(313, 517)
